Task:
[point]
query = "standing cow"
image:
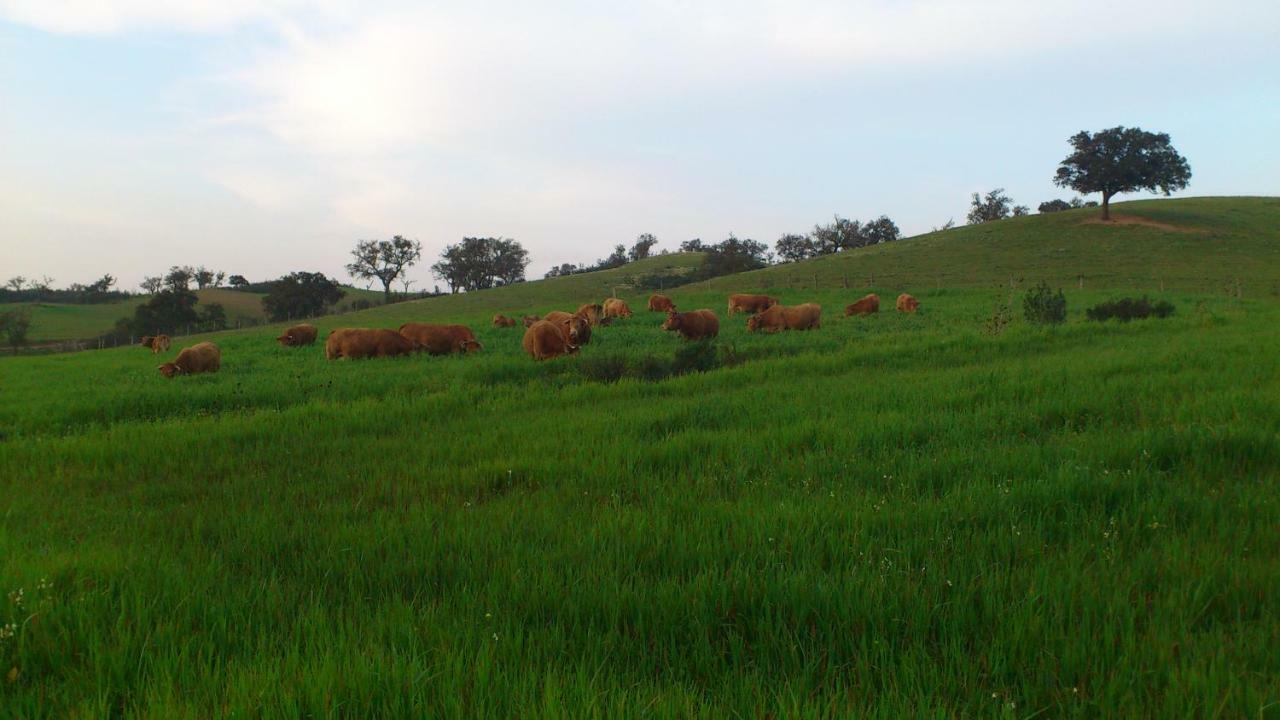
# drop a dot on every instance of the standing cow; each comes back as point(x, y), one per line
point(660, 303)
point(441, 339)
point(545, 340)
point(694, 325)
point(778, 318)
point(202, 357)
point(750, 303)
point(358, 343)
point(156, 343)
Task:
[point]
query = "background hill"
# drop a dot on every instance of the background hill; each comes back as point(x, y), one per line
point(1189, 245)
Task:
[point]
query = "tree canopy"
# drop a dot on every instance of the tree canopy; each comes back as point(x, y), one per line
point(1120, 160)
point(300, 295)
point(480, 263)
point(384, 260)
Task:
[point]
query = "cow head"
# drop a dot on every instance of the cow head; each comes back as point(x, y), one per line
point(470, 346)
point(576, 328)
point(753, 323)
point(672, 321)
point(285, 339)
point(169, 369)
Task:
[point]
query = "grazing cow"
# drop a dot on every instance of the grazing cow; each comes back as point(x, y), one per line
point(865, 306)
point(545, 340)
point(593, 312)
point(575, 326)
point(202, 357)
point(441, 339)
point(157, 343)
point(695, 325)
point(501, 320)
point(615, 308)
point(750, 303)
point(529, 320)
point(660, 303)
point(778, 318)
point(907, 303)
point(357, 343)
point(298, 335)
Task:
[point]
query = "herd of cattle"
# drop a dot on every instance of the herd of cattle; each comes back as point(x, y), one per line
point(553, 335)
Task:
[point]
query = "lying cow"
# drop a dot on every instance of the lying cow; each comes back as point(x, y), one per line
point(750, 303)
point(576, 327)
point(358, 343)
point(298, 335)
point(502, 321)
point(441, 339)
point(661, 303)
point(866, 306)
point(202, 357)
point(156, 343)
point(545, 340)
point(694, 325)
point(778, 318)
point(907, 303)
point(615, 308)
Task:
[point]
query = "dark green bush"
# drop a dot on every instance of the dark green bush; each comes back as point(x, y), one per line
point(695, 357)
point(1043, 306)
point(604, 369)
point(1126, 309)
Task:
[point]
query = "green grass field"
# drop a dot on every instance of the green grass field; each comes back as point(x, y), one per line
point(894, 516)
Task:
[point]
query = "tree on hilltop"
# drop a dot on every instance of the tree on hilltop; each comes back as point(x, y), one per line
point(1121, 160)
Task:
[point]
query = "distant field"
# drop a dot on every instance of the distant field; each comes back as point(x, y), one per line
point(51, 322)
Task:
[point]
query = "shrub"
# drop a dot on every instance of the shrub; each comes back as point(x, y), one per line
point(653, 369)
point(695, 357)
point(1043, 306)
point(1000, 318)
point(605, 369)
point(1126, 309)
point(361, 304)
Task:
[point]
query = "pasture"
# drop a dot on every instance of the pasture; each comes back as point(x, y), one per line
point(890, 516)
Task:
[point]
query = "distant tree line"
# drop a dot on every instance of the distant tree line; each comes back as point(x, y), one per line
point(19, 289)
point(838, 235)
point(641, 249)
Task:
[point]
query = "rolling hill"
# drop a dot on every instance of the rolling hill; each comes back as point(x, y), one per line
point(927, 515)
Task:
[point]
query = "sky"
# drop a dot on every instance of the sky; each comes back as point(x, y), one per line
point(265, 137)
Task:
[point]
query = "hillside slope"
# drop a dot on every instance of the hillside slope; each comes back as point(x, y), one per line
point(1202, 245)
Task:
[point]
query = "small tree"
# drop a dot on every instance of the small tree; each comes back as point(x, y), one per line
point(15, 325)
point(694, 245)
point(793, 248)
point(152, 284)
point(168, 311)
point(16, 283)
point(218, 278)
point(237, 281)
point(1042, 306)
point(213, 317)
point(384, 260)
point(1053, 206)
point(178, 279)
point(880, 230)
point(301, 294)
point(643, 247)
point(1121, 160)
point(841, 234)
point(203, 277)
point(101, 285)
point(995, 205)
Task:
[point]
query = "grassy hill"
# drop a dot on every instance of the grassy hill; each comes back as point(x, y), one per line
point(893, 516)
point(1200, 245)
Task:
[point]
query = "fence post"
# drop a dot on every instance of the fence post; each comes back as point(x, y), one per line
point(1080, 279)
point(845, 279)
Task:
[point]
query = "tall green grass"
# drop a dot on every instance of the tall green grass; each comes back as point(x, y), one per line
point(891, 516)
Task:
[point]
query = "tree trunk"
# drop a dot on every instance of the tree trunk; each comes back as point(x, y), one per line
point(386, 293)
point(1106, 206)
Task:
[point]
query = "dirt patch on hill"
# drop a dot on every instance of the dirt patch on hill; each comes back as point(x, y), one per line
point(1144, 222)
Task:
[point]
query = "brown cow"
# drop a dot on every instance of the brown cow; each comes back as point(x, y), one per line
point(615, 308)
point(357, 343)
point(593, 312)
point(545, 340)
point(660, 303)
point(298, 335)
point(695, 325)
point(202, 357)
point(501, 320)
point(750, 303)
point(779, 317)
point(157, 343)
point(866, 306)
point(441, 339)
point(907, 304)
point(575, 326)
point(529, 320)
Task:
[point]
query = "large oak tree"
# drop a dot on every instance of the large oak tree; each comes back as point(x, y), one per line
point(1121, 160)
